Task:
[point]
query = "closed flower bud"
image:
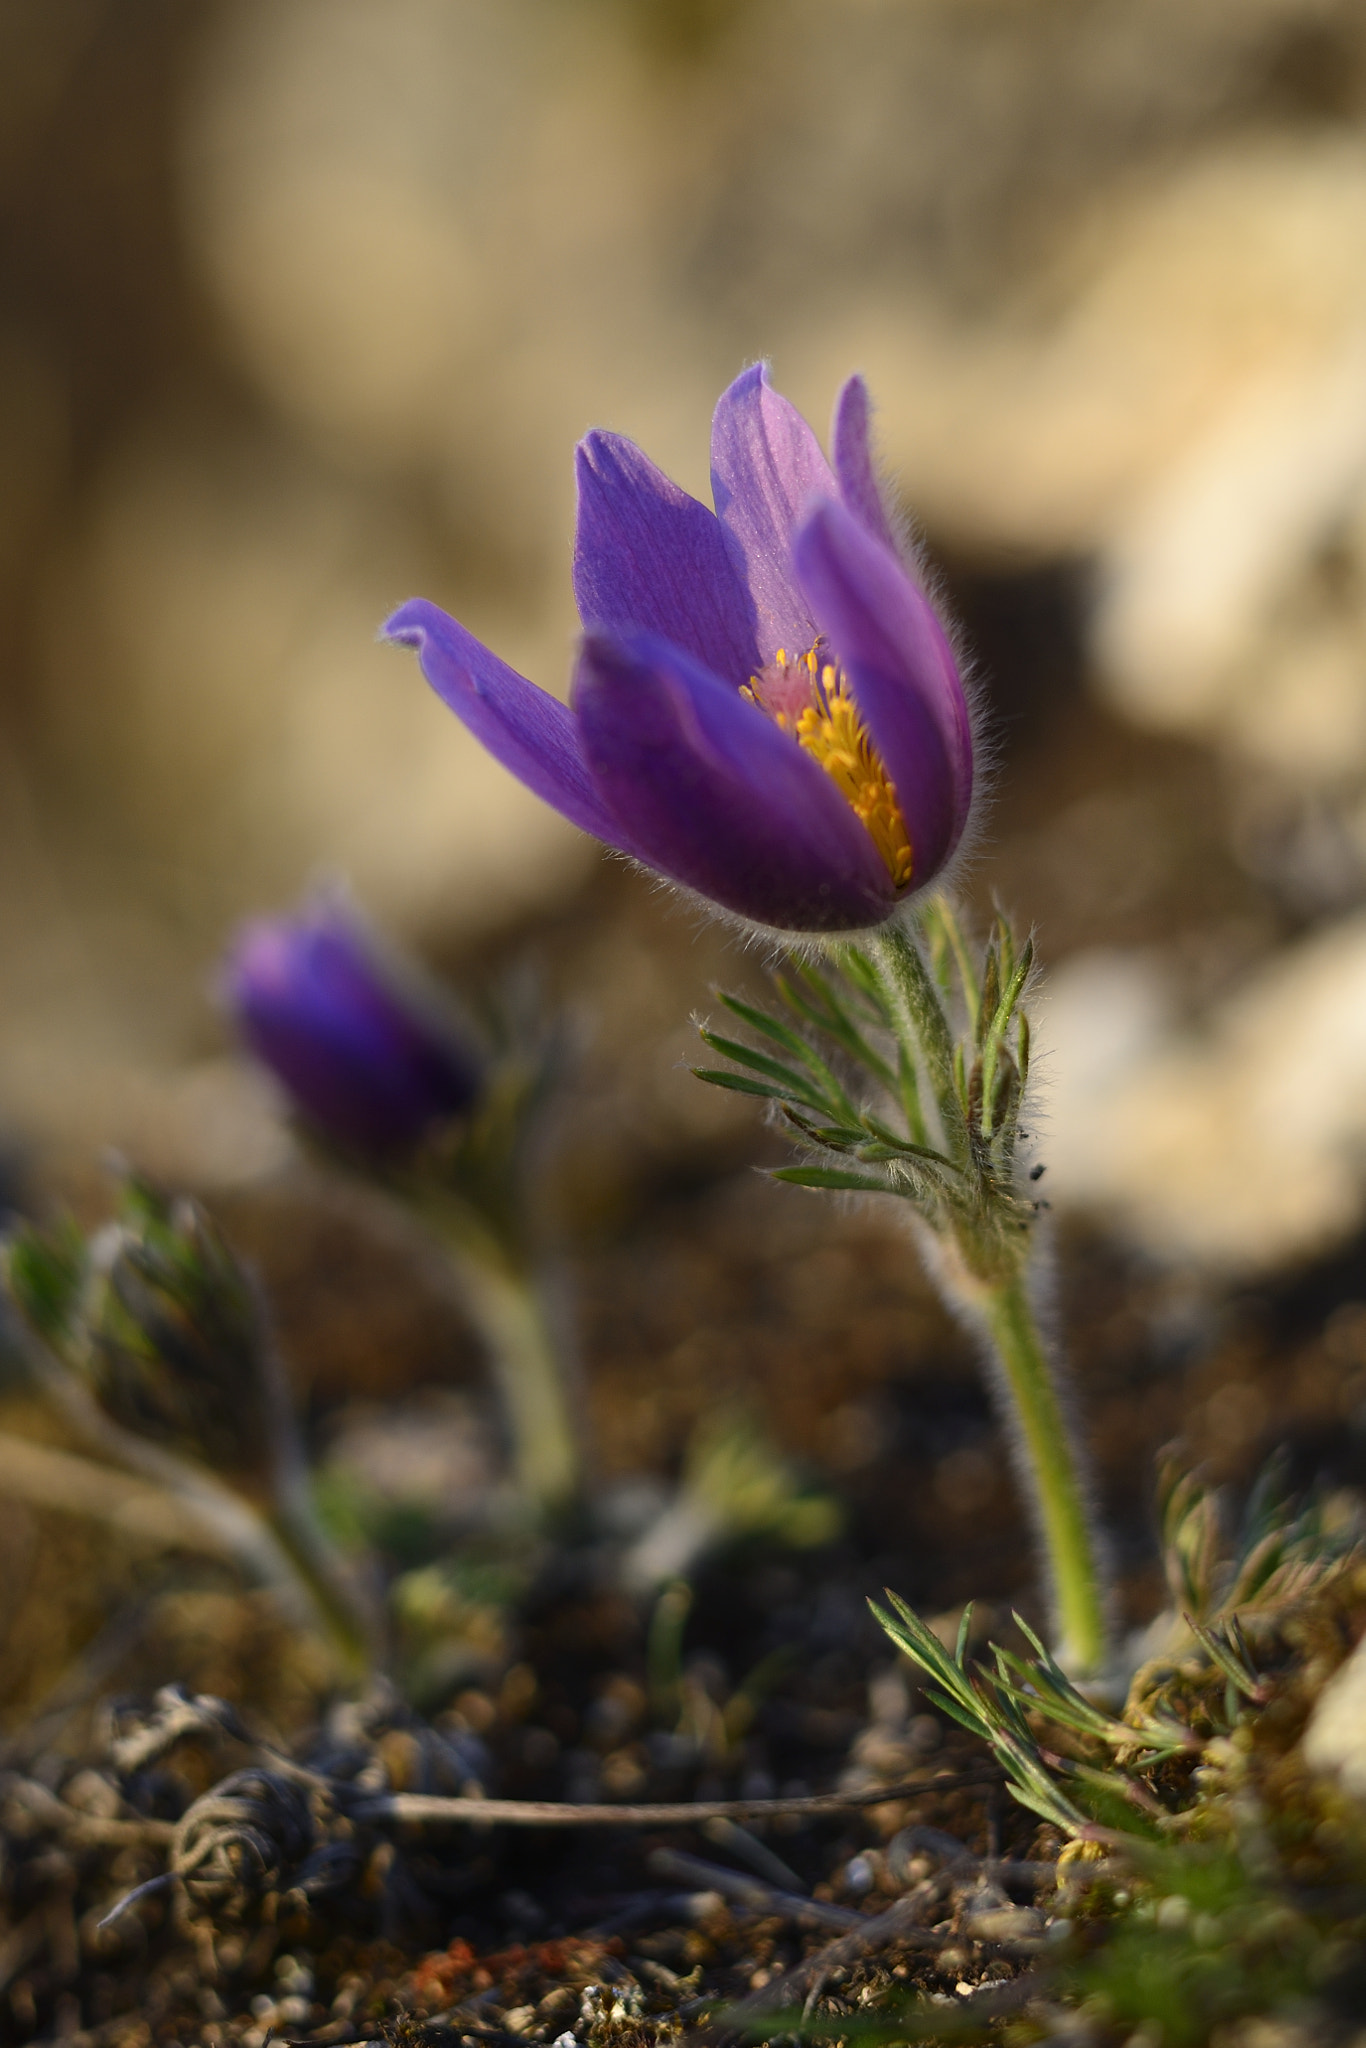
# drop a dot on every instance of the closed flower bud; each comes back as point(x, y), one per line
point(178, 1345)
point(363, 1050)
point(157, 1317)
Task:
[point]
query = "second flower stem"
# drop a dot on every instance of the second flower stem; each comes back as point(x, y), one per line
point(353, 1630)
point(510, 1309)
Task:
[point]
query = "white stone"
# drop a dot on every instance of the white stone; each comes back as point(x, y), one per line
point(1236, 1144)
point(1335, 1739)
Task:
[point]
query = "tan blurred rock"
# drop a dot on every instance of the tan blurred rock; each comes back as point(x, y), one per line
point(211, 1123)
point(1239, 1144)
point(328, 180)
point(1335, 1740)
point(1181, 391)
point(1210, 302)
point(1233, 598)
point(217, 693)
point(1235, 604)
point(438, 235)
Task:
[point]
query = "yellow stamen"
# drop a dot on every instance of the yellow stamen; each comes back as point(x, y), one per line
point(832, 732)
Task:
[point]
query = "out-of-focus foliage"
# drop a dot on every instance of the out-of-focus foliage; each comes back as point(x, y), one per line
point(158, 1318)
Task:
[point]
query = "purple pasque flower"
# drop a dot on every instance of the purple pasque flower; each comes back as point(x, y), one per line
point(765, 707)
point(363, 1050)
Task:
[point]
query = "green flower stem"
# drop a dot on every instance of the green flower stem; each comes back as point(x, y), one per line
point(925, 1028)
point(507, 1300)
point(351, 1630)
point(513, 1315)
point(1052, 1462)
point(984, 1232)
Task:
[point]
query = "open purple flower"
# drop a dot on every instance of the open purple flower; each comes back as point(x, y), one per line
point(765, 708)
point(365, 1055)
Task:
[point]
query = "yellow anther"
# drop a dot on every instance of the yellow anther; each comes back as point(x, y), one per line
point(829, 727)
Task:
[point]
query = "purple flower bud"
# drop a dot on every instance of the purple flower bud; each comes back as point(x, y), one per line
point(361, 1048)
point(766, 708)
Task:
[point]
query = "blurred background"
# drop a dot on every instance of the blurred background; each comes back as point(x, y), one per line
point(303, 304)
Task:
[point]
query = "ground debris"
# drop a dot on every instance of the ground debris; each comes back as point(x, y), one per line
point(181, 1876)
point(177, 1875)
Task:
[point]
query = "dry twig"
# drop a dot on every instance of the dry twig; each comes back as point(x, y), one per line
point(422, 1807)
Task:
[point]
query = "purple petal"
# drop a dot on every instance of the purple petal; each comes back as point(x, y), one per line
point(529, 731)
point(902, 670)
point(850, 445)
point(765, 464)
point(717, 797)
point(367, 1058)
point(648, 557)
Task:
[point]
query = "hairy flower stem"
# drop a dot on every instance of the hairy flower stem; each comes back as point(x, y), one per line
point(1051, 1458)
point(982, 1272)
point(924, 1029)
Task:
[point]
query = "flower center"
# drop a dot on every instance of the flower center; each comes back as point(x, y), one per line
point(811, 699)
